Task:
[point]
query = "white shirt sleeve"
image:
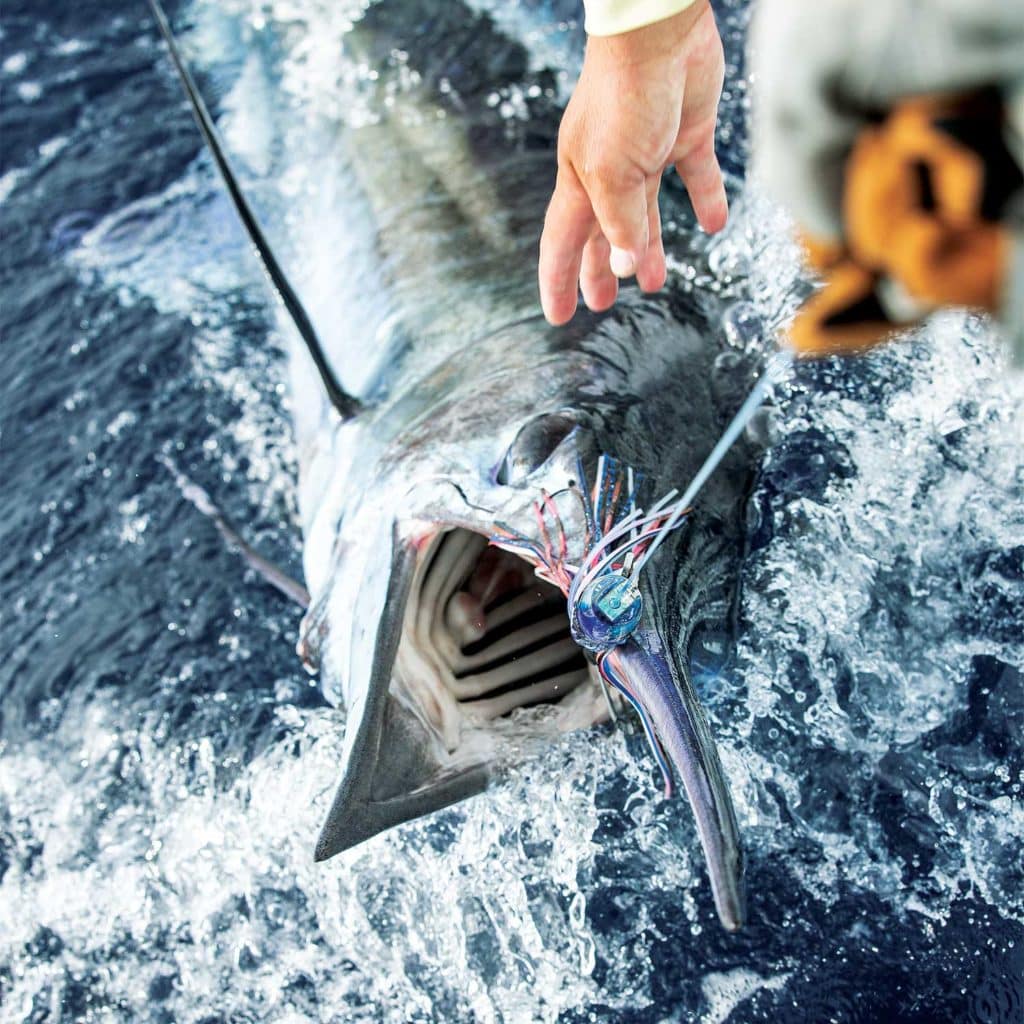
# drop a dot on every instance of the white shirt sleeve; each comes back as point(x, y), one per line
point(611, 17)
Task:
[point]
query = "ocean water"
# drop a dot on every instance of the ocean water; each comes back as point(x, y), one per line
point(165, 763)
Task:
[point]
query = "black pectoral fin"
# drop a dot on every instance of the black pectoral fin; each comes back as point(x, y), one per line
point(347, 405)
point(273, 574)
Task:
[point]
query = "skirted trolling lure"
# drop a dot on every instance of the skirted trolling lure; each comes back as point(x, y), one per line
point(605, 605)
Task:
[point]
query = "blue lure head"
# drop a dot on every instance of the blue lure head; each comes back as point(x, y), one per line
point(607, 612)
point(605, 605)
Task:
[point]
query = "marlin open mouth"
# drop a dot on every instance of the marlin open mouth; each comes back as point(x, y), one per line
point(480, 630)
point(483, 636)
point(474, 628)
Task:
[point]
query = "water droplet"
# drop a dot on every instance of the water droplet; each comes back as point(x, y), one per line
point(727, 261)
point(744, 327)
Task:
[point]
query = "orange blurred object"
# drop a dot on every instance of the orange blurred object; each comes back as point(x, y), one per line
point(921, 201)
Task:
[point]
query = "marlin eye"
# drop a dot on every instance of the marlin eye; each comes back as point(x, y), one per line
point(533, 446)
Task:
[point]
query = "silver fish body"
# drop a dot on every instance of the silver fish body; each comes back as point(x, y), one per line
point(451, 658)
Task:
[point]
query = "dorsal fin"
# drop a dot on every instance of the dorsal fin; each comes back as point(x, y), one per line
point(346, 404)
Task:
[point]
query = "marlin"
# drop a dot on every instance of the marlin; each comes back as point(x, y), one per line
point(434, 501)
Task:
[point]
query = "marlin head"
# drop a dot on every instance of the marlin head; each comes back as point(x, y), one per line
point(446, 617)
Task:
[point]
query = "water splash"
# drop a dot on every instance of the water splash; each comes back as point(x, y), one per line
point(165, 764)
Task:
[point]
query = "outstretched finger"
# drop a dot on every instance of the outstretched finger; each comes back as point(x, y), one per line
point(567, 226)
point(694, 153)
point(599, 285)
point(619, 198)
point(702, 176)
point(650, 275)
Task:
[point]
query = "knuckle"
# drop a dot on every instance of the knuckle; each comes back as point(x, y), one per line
point(600, 163)
point(696, 142)
point(564, 287)
point(611, 175)
point(566, 151)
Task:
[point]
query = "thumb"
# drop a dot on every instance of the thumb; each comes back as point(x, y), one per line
point(619, 199)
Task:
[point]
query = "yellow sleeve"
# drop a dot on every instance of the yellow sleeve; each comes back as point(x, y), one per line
point(610, 17)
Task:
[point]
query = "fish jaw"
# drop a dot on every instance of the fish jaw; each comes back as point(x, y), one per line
point(428, 695)
point(357, 813)
point(668, 699)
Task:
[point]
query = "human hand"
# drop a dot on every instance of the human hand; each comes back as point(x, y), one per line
point(646, 99)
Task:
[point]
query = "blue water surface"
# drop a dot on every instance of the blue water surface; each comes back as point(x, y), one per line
point(165, 761)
